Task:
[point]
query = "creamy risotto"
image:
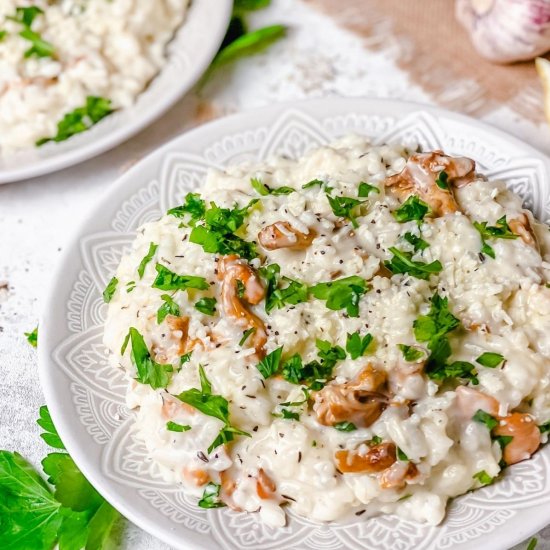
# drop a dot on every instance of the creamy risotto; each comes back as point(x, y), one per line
point(363, 330)
point(74, 61)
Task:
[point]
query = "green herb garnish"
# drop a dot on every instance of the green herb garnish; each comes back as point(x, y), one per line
point(485, 418)
point(211, 497)
point(490, 360)
point(499, 231)
point(246, 334)
point(402, 262)
point(410, 353)
point(342, 293)
point(81, 119)
point(344, 207)
point(402, 456)
point(206, 306)
point(412, 209)
point(147, 258)
point(194, 207)
point(345, 426)
point(32, 337)
point(288, 415)
point(418, 243)
point(294, 293)
point(365, 189)
point(262, 189)
point(442, 180)
point(356, 345)
point(50, 435)
point(110, 290)
point(269, 365)
point(483, 477)
point(148, 371)
point(174, 427)
point(168, 280)
point(169, 307)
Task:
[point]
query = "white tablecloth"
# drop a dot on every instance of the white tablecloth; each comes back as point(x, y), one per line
point(38, 216)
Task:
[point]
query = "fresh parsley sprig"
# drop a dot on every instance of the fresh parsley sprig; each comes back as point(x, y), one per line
point(194, 207)
point(294, 293)
point(264, 190)
point(402, 262)
point(412, 209)
point(342, 293)
point(344, 207)
point(499, 231)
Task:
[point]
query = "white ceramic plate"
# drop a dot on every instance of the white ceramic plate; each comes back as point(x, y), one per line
point(86, 396)
point(189, 55)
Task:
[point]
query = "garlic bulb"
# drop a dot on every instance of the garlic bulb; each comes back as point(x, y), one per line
point(505, 31)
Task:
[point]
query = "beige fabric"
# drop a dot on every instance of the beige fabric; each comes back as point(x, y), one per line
point(434, 49)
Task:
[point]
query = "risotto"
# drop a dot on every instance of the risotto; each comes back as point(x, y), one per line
point(359, 331)
point(72, 62)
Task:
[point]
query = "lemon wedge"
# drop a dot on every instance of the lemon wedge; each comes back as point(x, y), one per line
point(543, 68)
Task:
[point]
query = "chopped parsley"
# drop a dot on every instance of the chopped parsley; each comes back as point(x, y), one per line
point(442, 180)
point(269, 365)
point(50, 435)
point(194, 207)
point(110, 290)
point(433, 329)
point(320, 183)
point(345, 426)
point(418, 243)
point(130, 286)
point(168, 280)
point(402, 456)
point(412, 209)
point(288, 415)
point(485, 418)
point(294, 293)
point(365, 189)
point(32, 337)
point(490, 360)
point(342, 293)
point(344, 207)
point(356, 345)
point(532, 544)
point(483, 477)
point(3, 35)
point(263, 190)
point(402, 262)
point(173, 427)
point(185, 358)
point(241, 288)
point(147, 258)
point(26, 16)
point(148, 371)
point(211, 497)
point(410, 353)
point(169, 307)
point(206, 306)
point(499, 231)
point(503, 440)
point(246, 334)
point(211, 405)
point(81, 119)
point(376, 440)
point(544, 428)
point(217, 234)
point(39, 46)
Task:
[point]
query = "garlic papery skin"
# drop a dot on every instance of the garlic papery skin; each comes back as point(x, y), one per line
point(504, 31)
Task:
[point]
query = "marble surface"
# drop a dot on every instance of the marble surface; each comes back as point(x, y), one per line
point(37, 216)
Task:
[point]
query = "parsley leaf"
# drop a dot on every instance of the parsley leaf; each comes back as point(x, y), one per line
point(490, 360)
point(328, 353)
point(483, 477)
point(313, 183)
point(168, 280)
point(295, 293)
point(3, 35)
point(412, 209)
point(457, 369)
point(81, 119)
point(50, 435)
point(246, 334)
point(26, 16)
point(216, 406)
point(442, 180)
point(544, 428)
point(193, 206)
point(485, 418)
point(269, 365)
point(147, 258)
point(264, 190)
point(110, 290)
point(402, 456)
point(174, 427)
point(418, 243)
point(32, 337)
point(168, 308)
point(342, 293)
point(206, 306)
point(211, 497)
point(288, 415)
point(343, 207)
point(499, 231)
point(365, 189)
point(410, 353)
point(217, 233)
point(345, 426)
point(39, 46)
point(148, 371)
point(402, 262)
point(357, 346)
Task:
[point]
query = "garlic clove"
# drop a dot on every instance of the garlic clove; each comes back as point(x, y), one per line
point(543, 68)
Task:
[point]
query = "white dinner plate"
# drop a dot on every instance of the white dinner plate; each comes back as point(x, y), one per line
point(86, 396)
point(188, 56)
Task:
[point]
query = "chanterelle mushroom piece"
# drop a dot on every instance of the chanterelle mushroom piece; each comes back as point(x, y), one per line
point(521, 226)
point(283, 235)
point(231, 271)
point(357, 401)
point(420, 176)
